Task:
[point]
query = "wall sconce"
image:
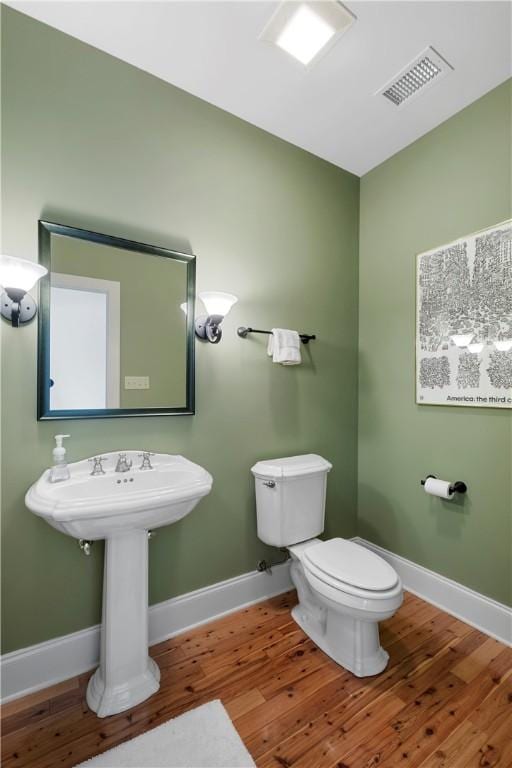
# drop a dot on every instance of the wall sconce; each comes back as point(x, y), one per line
point(217, 306)
point(17, 277)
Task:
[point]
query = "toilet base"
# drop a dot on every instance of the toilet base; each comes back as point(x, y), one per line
point(349, 639)
point(351, 643)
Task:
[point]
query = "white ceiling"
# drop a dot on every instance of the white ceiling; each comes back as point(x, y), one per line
point(211, 49)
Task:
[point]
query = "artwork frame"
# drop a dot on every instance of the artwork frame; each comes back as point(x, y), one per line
point(463, 341)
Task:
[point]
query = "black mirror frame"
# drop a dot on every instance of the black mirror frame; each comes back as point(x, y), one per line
point(44, 413)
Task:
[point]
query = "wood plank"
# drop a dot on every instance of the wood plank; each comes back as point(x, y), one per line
point(294, 637)
point(460, 746)
point(25, 717)
point(260, 641)
point(496, 708)
point(244, 703)
point(497, 749)
point(470, 667)
point(38, 697)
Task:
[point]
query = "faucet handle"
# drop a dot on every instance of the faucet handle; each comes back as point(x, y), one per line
point(97, 464)
point(122, 464)
point(146, 459)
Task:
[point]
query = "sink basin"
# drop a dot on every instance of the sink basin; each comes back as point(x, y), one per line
point(121, 507)
point(99, 506)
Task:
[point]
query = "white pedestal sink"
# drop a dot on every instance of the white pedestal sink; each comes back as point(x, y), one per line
point(121, 507)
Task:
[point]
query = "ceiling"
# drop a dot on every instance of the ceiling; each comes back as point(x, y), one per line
point(211, 49)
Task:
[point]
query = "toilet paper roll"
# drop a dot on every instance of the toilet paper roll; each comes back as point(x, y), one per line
point(439, 488)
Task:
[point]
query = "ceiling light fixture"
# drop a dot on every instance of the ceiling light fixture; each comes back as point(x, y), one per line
point(304, 30)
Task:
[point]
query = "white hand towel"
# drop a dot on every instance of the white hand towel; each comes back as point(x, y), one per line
point(284, 346)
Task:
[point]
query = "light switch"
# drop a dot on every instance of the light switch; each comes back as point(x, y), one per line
point(136, 382)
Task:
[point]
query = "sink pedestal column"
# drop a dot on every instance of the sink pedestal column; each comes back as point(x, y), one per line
point(126, 675)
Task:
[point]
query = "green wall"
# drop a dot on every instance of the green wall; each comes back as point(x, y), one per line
point(453, 181)
point(92, 142)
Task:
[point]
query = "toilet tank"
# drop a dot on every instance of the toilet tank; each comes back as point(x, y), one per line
point(290, 498)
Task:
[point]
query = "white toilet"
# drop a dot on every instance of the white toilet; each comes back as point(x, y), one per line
point(344, 589)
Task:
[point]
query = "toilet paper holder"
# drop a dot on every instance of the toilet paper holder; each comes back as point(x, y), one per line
point(457, 487)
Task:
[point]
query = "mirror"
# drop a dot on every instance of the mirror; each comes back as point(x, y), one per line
point(116, 334)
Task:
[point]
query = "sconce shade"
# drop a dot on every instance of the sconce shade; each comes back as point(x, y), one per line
point(20, 273)
point(217, 303)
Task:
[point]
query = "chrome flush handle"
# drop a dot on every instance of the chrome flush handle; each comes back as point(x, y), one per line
point(269, 483)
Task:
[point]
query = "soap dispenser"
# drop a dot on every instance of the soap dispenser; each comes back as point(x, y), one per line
point(60, 469)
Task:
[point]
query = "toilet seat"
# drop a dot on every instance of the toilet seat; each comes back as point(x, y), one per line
point(346, 567)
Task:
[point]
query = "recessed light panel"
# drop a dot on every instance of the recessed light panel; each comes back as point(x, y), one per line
point(305, 30)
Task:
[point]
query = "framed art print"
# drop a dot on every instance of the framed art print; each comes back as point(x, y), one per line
point(464, 321)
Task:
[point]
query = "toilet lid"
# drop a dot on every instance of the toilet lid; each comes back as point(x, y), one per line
point(351, 564)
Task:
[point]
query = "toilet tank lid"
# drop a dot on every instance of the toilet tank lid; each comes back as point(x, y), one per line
point(291, 466)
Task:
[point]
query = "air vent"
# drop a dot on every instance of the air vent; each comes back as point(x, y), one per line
point(426, 69)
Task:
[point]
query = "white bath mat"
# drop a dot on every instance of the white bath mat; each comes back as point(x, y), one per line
point(205, 737)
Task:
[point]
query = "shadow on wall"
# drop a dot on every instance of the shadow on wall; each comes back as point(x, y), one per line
point(124, 229)
point(284, 401)
point(369, 424)
point(450, 518)
point(374, 504)
point(283, 393)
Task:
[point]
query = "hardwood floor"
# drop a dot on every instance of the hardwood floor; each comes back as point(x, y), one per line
point(445, 700)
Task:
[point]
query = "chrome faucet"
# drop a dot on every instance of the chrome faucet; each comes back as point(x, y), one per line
point(146, 460)
point(97, 465)
point(122, 464)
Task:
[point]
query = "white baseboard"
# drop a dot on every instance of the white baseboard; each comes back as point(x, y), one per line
point(39, 666)
point(487, 615)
